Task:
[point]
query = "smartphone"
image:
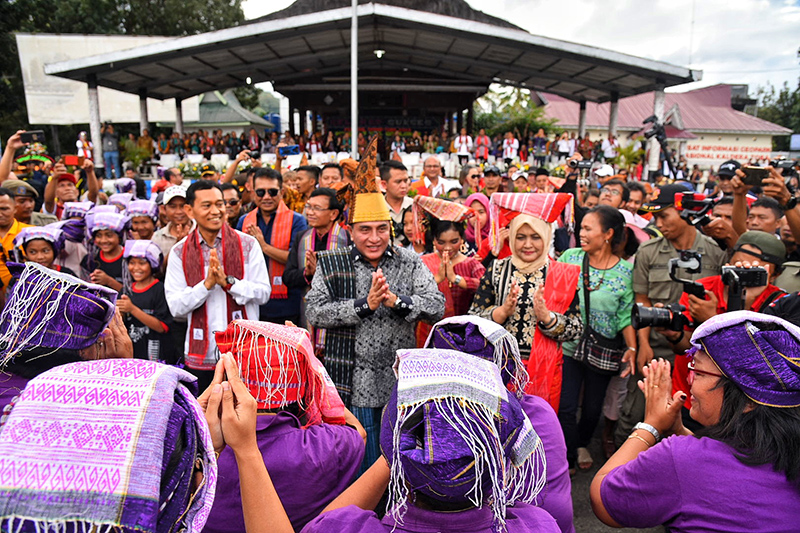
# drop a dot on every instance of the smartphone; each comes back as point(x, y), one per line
point(33, 136)
point(753, 176)
point(74, 160)
point(292, 149)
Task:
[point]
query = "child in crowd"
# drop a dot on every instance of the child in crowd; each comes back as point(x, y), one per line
point(42, 245)
point(147, 315)
point(408, 233)
point(144, 217)
point(103, 265)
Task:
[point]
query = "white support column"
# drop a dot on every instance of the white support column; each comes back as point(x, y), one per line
point(179, 115)
point(653, 161)
point(94, 121)
point(354, 82)
point(612, 114)
point(582, 120)
point(144, 124)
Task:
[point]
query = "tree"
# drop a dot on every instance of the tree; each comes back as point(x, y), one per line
point(510, 109)
point(130, 17)
point(780, 107)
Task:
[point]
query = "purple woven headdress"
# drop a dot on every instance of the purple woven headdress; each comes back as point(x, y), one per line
point(485, 339)
point(76, 209)
point(125, 185)
point(52, 310)
point(92, 446)
point(485, 451)
point(120, 200)
point(115, 222)
point(144, 250)
point(764, 364)
point(48, 233)
point(143, 208)
point(74, 229)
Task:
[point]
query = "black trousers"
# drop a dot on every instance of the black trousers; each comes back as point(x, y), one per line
point(578, 434)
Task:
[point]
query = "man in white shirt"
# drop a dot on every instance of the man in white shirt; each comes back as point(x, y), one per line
point(510, 148)
point(214, 275)
point(432, 182)
point(463, 145)
point(609, 147)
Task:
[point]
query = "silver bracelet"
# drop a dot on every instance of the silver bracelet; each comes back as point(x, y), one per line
point(650, 429)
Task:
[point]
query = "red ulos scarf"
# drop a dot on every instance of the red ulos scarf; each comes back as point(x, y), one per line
point(281, 238)
point(194, 270)
point(546, 359)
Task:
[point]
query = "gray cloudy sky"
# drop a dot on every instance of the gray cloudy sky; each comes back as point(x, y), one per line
point(734, 41)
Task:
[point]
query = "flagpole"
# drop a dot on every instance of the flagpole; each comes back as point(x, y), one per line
point(354, 82)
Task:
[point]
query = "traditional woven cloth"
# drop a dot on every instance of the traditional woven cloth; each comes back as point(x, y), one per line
point(503, 207)
point(764, 364)
point(440, 210)
point(91, 446)
point(368, 203)
point(49, 309)
point(74, 229)
point(76, 209)
point(143, 208)
point(278, 365)
point(452, 432)
point(125, 185)
point(470, 232)
point(194, 271)
point(280, 238)
point(120, 200)
point(115, 222)
point(143, 250)
point(485, 339)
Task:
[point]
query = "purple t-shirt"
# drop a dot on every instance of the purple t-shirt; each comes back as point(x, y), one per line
point(691, 484)
point(556, 498)
point(11, 385)
point(309, 468)
point(519, 519)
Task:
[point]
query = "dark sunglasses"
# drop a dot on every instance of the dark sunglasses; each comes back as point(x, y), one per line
point(232, 202)
point(725, 178)
point(272, 192)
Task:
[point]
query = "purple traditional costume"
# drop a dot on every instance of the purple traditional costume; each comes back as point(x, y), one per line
point(310, 461)
point(120, 200)
point(488, 340)
point(700, 484)
point(106, 445)
point(143, 208)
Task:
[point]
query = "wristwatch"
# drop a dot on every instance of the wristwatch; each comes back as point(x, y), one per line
point(791, 204)
point(457, 280)
point(230, 280)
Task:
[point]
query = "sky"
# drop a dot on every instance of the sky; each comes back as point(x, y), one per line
point(754, 42)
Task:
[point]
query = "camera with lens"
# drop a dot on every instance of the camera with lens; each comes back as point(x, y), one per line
point(694, 208)
point(669, 317)
point(580, 165)
point(656, 129)
point(738, 279)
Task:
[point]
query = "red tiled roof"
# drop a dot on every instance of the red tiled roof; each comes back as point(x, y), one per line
point(708, 109)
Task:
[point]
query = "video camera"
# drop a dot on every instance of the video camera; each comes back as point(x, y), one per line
point(671, 316)
point(580, 165)
point(656, 129)
point(694, 208)
point(786, 168)
point(738, 279)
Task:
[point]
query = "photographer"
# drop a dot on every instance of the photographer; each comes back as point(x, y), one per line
point(652, 284)
point(721, 226)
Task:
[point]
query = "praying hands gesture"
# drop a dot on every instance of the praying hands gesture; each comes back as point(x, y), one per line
point(311, 263)
point(662, 408)
point(441, 273)
point(503, 312)
point(379, 292)
point(216, 272)
point(540, 307)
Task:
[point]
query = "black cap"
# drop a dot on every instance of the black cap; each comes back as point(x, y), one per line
point(729, 168)
point(207, 169)
point(491, 169)
point(541, 171)
point(663, 198)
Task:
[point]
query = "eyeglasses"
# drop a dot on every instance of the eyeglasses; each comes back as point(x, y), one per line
point(232, 202)
point(316, 208)
point(693, 371)
point(272, 192)
point(612, 192)
point(431, 166)
point(725, 178)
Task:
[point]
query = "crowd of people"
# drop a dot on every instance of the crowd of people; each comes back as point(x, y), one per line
point(371, 354)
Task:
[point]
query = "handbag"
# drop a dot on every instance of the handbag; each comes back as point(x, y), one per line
point(601, 353)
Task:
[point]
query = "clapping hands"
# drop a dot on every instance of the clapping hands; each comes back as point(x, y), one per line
point(380, 293)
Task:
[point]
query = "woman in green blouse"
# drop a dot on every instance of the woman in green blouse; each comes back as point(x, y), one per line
point(603, 236)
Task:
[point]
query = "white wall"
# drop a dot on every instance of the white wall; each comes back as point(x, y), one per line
point(54, 100)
